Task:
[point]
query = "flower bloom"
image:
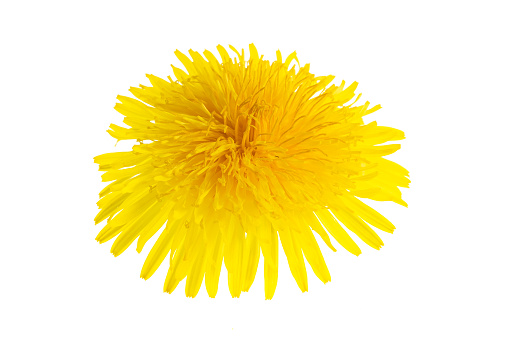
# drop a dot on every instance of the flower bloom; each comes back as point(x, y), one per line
point(235, 155)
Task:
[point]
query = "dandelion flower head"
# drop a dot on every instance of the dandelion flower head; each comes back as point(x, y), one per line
point(234, 155)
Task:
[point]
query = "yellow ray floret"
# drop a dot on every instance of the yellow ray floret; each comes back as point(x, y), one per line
point(237, 154)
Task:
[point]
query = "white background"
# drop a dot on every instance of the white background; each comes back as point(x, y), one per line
point(438, 68)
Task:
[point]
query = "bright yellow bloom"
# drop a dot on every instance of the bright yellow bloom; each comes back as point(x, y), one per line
point(237, 155)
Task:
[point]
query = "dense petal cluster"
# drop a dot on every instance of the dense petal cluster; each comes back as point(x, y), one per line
point(235, 155)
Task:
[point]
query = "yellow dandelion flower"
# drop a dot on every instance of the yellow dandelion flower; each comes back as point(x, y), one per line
point(236, 155)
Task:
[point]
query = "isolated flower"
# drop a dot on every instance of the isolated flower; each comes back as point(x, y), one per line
point(237, 155)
